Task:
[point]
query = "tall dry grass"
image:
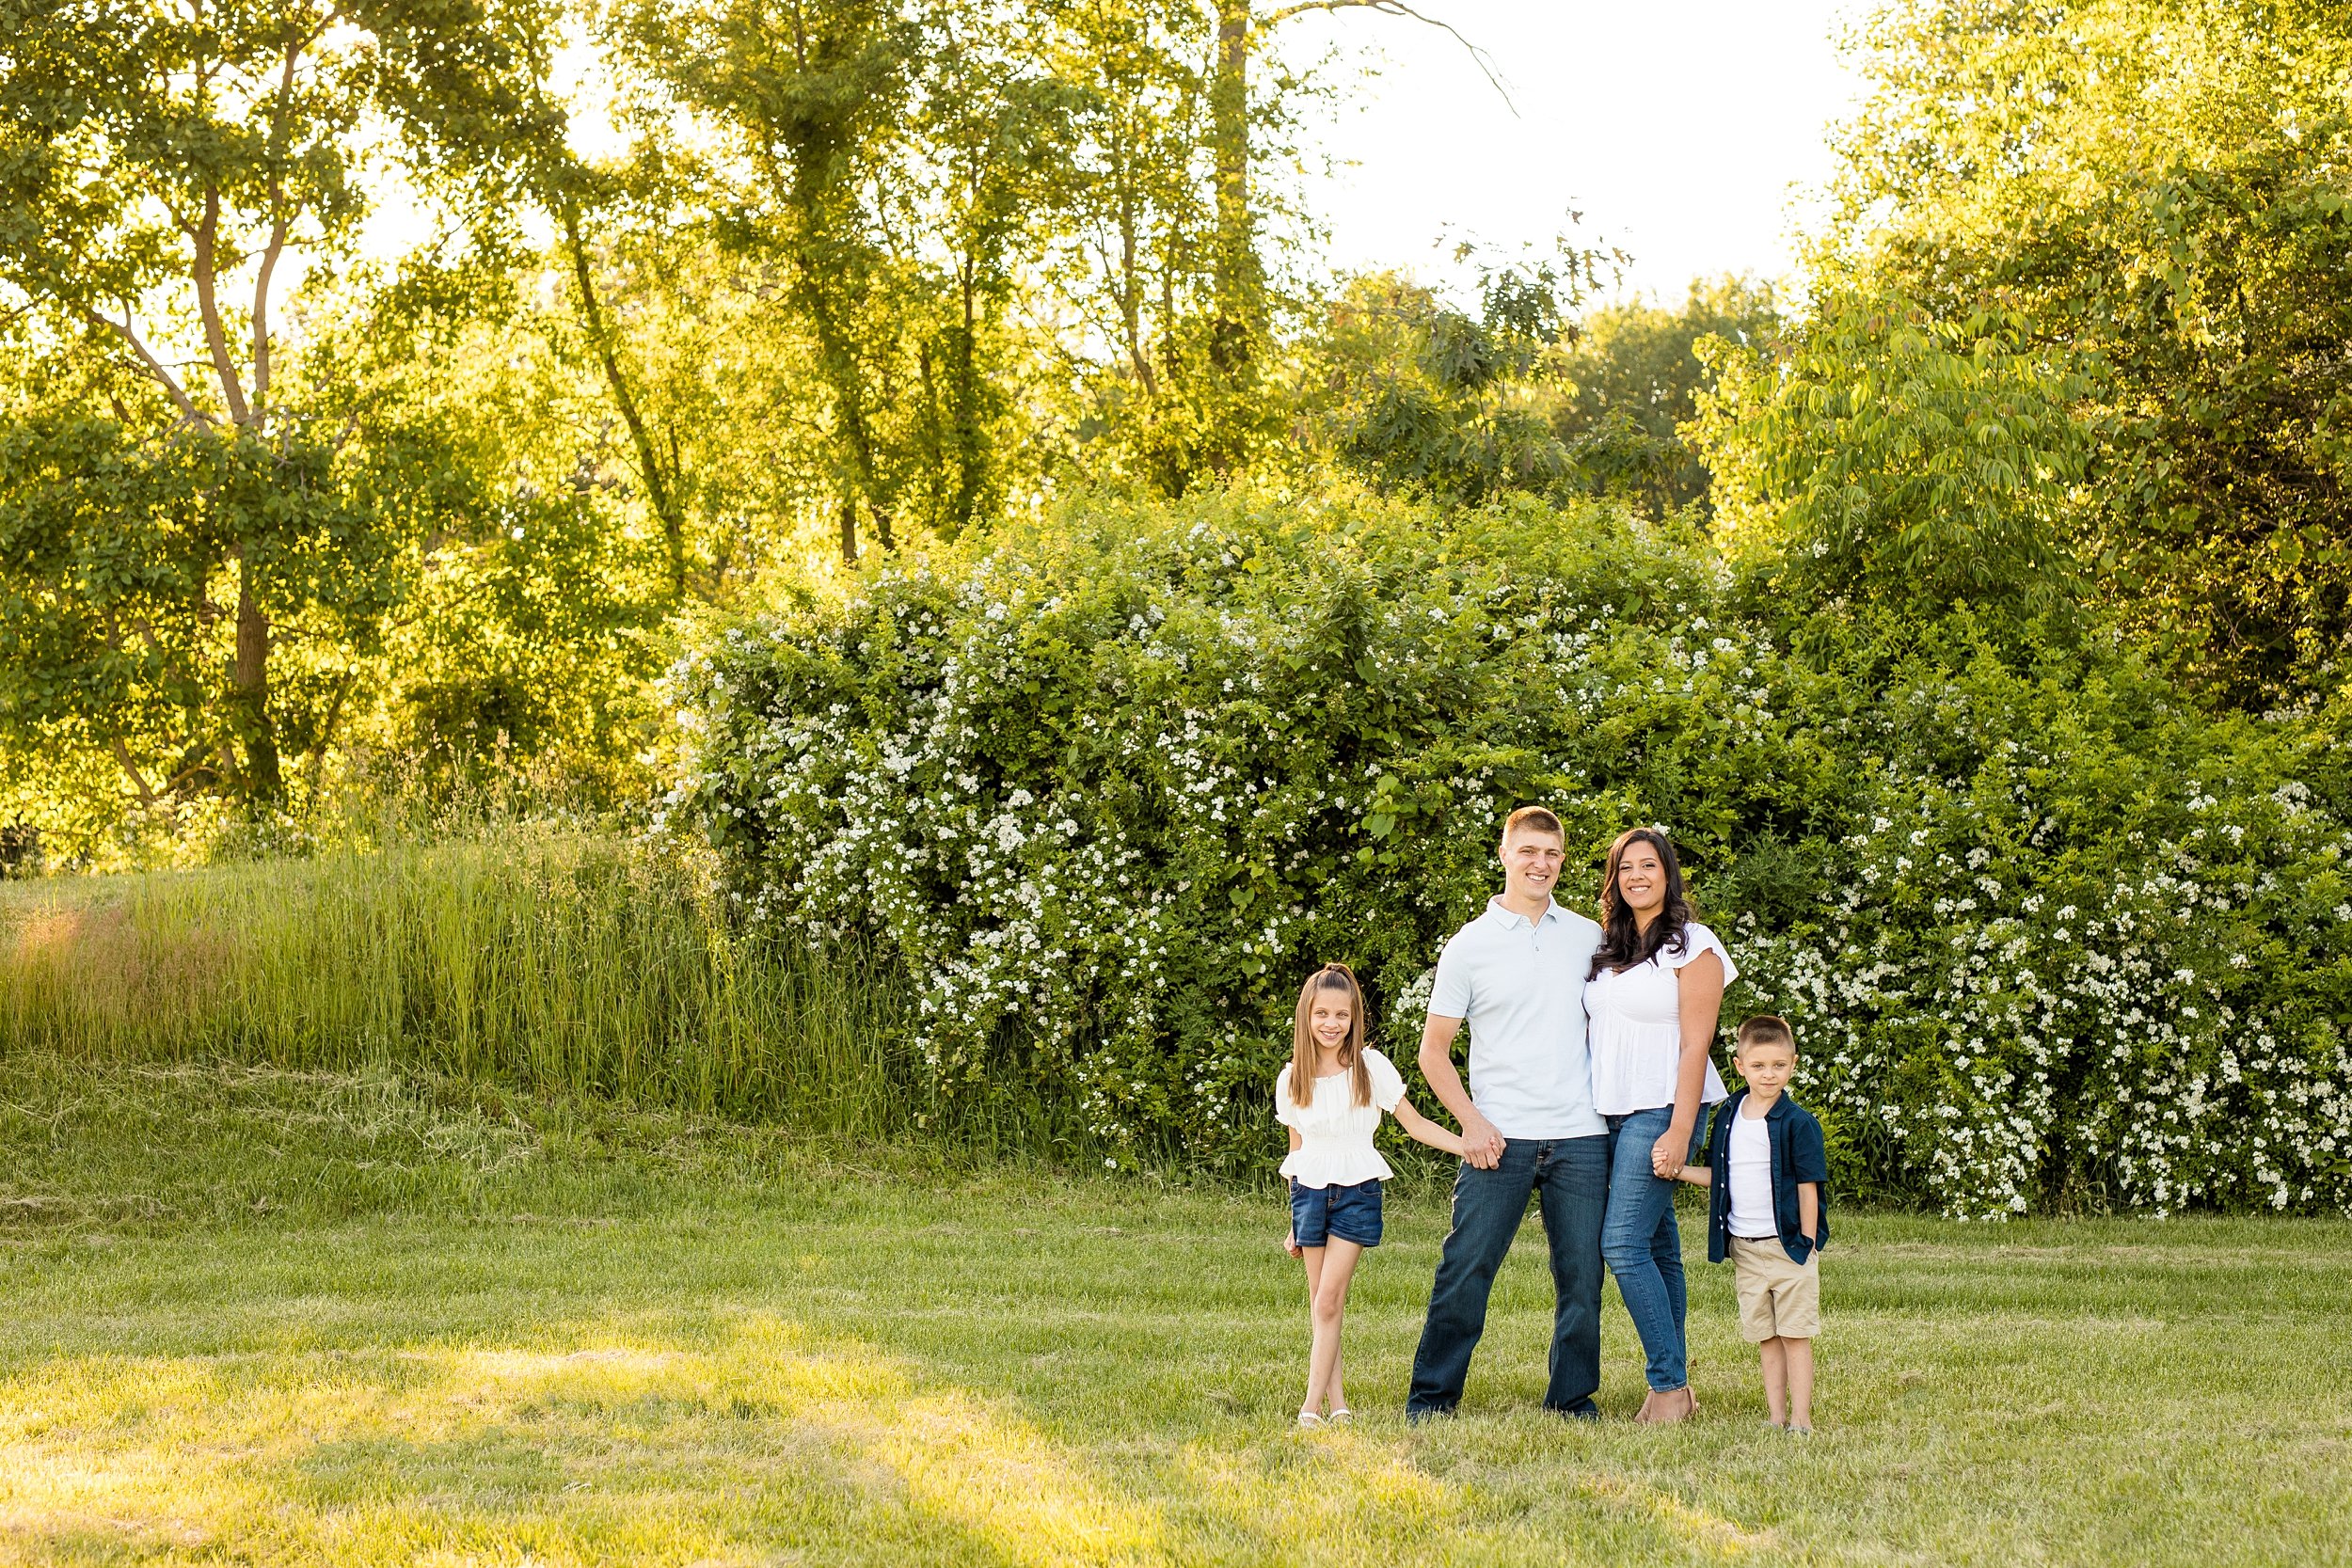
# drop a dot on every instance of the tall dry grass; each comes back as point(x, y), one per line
point(540, 956)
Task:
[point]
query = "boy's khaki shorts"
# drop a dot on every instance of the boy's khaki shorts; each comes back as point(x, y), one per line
point(1779, 1299)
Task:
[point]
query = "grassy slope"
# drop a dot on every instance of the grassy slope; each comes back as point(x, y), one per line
point(251, 1316)
point(579, 963)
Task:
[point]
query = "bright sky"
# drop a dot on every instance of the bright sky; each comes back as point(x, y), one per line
point(1678, 128)
point(1683, 129)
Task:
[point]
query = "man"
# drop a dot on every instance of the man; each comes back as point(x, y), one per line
point(1516, 975)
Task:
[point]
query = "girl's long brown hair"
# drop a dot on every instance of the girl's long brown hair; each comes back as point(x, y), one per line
point(1329, 977)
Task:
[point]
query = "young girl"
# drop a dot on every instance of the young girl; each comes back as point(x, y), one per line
point(1330, 1097)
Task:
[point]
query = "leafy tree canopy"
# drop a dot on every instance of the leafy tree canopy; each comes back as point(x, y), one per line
point(2152, 198)
point(191, 558)
point(1637, 371)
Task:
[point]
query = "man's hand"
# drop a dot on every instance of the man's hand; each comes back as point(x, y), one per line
point(1482, 1146)
point(1668, 1155)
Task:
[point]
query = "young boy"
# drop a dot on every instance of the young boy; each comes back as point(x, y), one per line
point(1769, 1211)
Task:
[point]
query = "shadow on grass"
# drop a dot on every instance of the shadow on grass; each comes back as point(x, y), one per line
point(766, 1438)
point(266, 1318)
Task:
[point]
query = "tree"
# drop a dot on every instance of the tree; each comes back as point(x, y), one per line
point(992, 197)
point(524, 636)
point(1889, 459)
point(1637, 373)
point(160, 161)
point(1243, 32)
point(1134, 202)
point(1177, 125)
point(570, 189)
point(936, 187)
point(1425, 397)
point(808, 99)
point(2153, 193)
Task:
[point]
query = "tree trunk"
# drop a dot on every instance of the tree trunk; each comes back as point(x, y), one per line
point(971, 449)
point(1235, 279)
point(659, 491)
point(250, 676)
point(674, 525)
point(1130, 292)
point(838, 359)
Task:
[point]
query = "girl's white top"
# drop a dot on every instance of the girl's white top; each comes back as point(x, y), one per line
point(1637, 1028)
point(1334, 1132)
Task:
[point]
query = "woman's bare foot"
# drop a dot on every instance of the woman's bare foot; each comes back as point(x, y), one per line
point(1666, 1408)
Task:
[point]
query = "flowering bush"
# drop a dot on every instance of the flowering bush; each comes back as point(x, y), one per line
point(2075, 936)
point(1112, 784)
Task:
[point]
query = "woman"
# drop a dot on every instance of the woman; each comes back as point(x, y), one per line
point(1655, 991)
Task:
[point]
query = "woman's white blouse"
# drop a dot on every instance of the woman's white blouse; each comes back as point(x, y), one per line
point(1334, 1132)
point(1636, 1032)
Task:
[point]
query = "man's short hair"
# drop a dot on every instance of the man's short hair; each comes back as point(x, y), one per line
point(1766, 1029)
point(1536, 818)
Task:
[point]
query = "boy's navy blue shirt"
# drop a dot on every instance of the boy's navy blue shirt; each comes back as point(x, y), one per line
point(1798, 1154)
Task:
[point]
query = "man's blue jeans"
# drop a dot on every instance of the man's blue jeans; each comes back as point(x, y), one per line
point(1570, 1177)
point(1642, 1247)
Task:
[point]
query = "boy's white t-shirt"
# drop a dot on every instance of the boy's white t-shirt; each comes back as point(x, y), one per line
point(1751, 1217)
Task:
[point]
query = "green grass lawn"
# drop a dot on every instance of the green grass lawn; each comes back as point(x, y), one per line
point(262, 1318)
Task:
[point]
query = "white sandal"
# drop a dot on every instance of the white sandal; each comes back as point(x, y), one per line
point(1309, 1421)
point(1342, 1416)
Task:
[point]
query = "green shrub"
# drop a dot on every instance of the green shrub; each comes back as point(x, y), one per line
point(1112, 782)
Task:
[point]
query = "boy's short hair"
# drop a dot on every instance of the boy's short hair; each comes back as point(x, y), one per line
point(1539, 818)
point(1766, 1029)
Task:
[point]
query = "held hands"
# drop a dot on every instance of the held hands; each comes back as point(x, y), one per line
point(1290, 1245)
point(1667, 1155)
point(1482, 1146)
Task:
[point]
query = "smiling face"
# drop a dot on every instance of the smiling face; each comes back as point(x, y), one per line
point(1531, 864)
point(1327, 1035)
point(1330, 1017)
point(1641, 879)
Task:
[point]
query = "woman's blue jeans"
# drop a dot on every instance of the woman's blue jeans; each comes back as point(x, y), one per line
point(1642, 1248)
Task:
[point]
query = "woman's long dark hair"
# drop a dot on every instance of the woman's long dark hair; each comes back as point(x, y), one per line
point(1623, 942)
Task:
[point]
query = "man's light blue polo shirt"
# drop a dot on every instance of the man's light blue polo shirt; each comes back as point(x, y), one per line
point(1520, 988)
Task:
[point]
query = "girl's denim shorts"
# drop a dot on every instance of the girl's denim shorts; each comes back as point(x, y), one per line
point(1351, 1214)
